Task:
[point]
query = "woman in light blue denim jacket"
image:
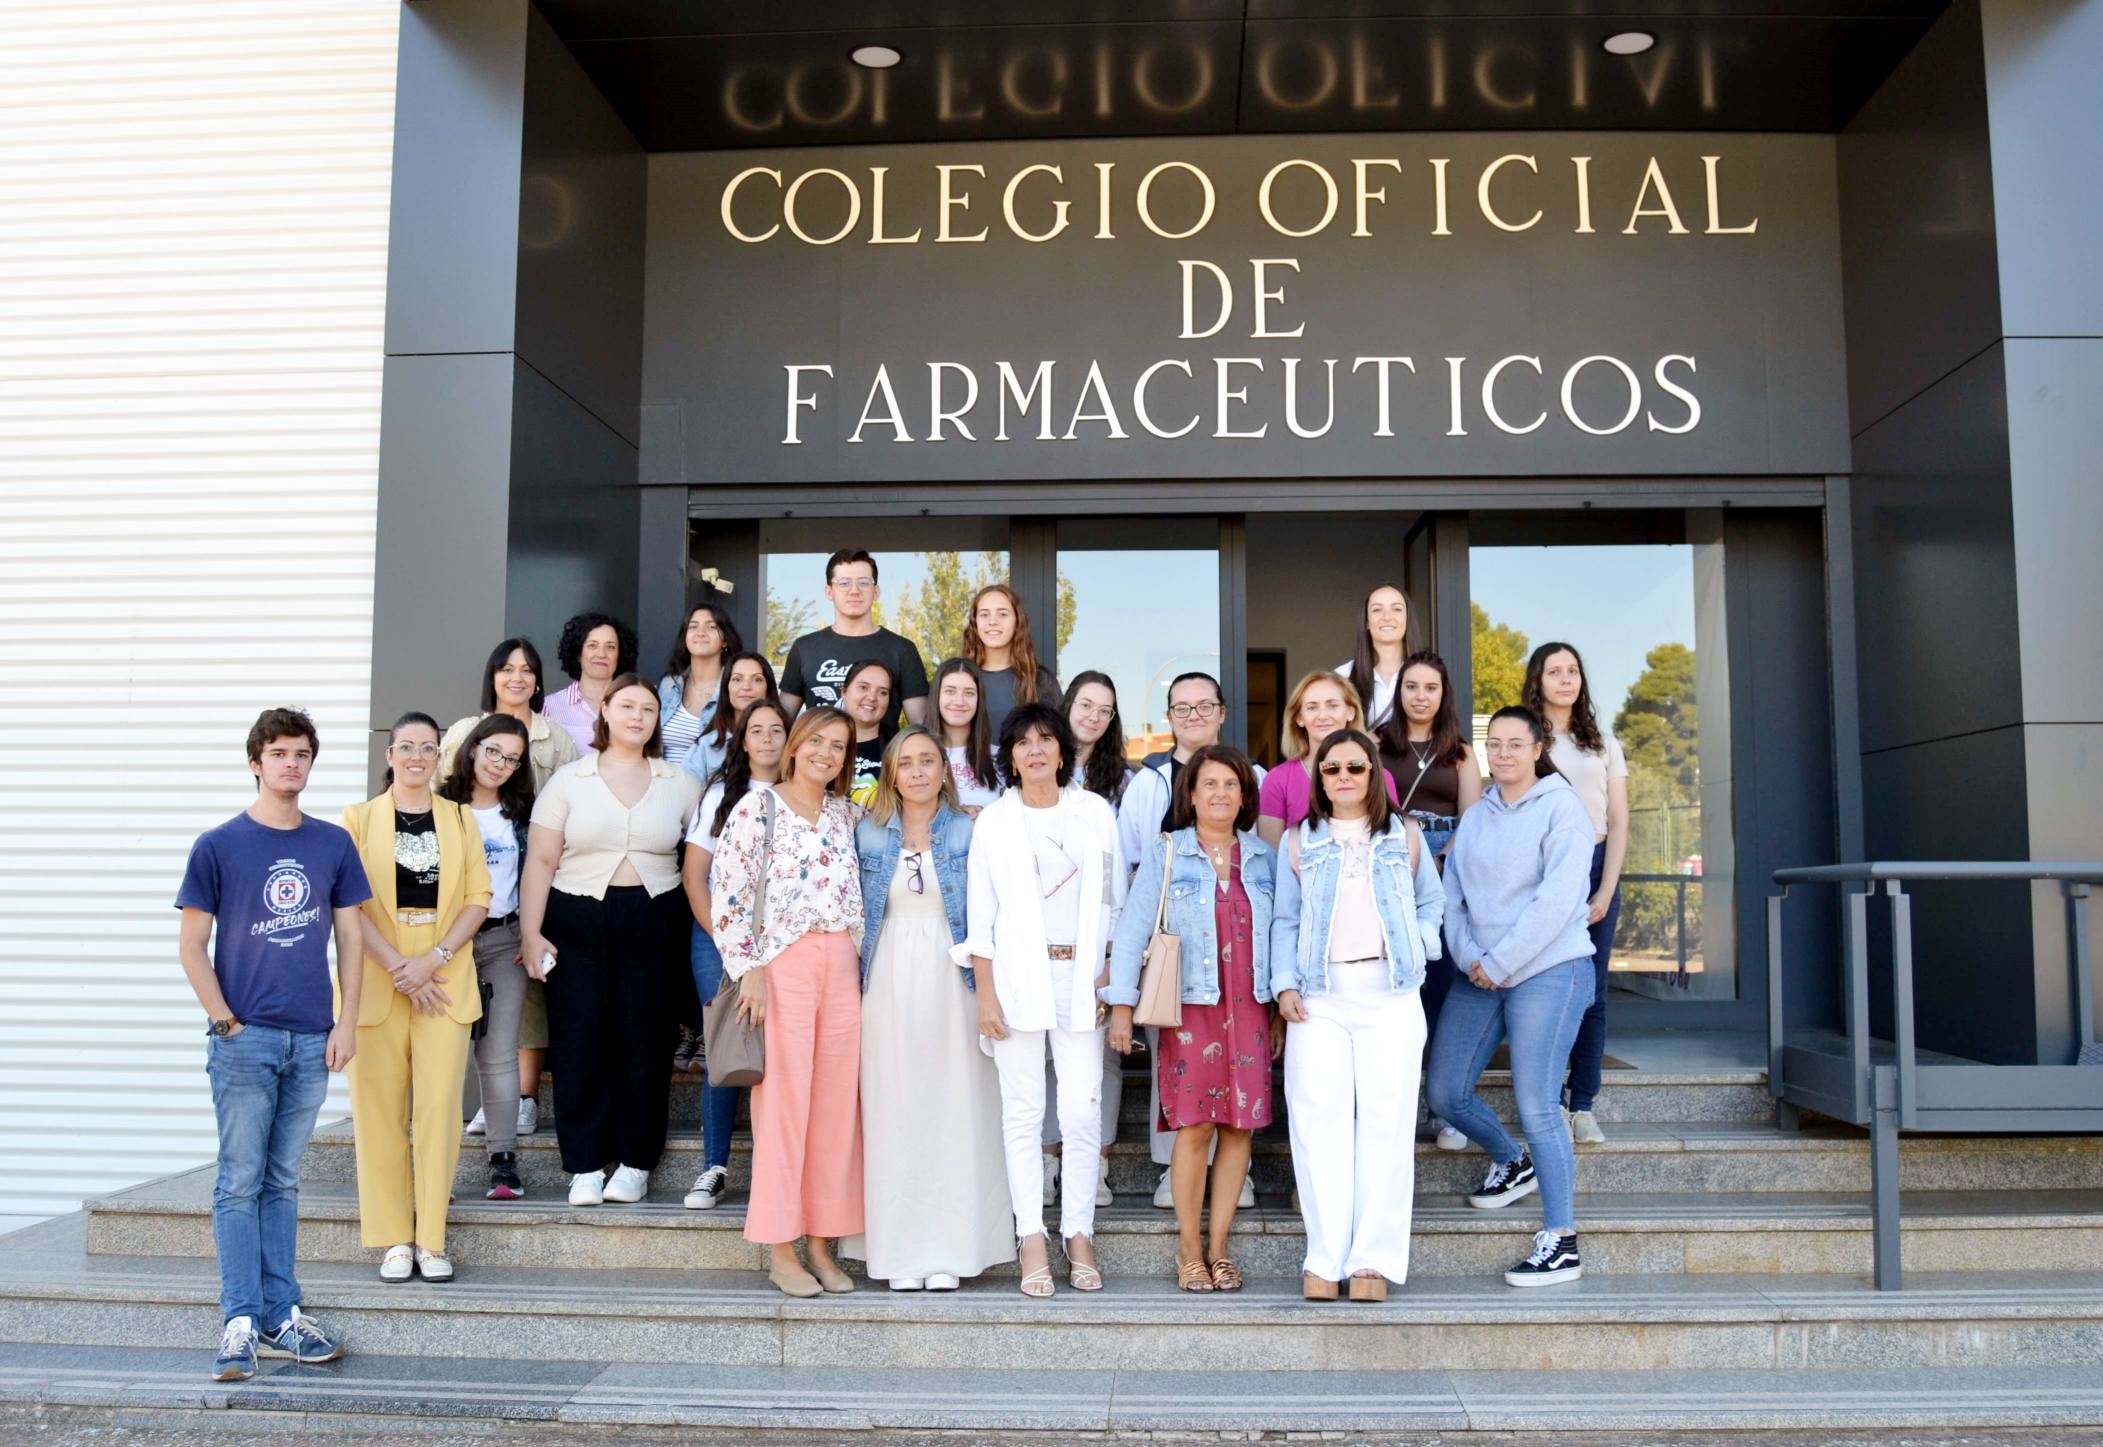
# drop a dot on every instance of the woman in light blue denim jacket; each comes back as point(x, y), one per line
point(934, 1178)
point(1356, 920)
point(1211, 881)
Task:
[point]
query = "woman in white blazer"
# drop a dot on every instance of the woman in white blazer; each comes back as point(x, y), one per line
point(1045, 890)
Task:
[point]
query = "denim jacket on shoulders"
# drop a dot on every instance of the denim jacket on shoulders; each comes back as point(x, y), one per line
point(698, 760)
point(879, 846)
point(1191, 918)
point(1409, 909)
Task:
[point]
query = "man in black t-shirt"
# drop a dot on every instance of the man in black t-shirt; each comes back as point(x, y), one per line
point(818, 662)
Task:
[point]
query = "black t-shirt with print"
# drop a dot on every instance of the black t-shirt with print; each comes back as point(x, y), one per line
point(818, 664)
point(415, 861)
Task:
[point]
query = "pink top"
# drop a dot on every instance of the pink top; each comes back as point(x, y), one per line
point(576, 717)
point(1285, 790)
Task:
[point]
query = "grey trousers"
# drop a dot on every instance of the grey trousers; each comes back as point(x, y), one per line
point(496, 1053)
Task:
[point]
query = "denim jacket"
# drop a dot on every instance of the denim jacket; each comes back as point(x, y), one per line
point(879, 846)
point(1191, 918)
point(1409, 911)
point(698, 760)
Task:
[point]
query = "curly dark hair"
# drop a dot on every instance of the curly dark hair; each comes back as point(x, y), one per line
point(1028, 718)
point(1584, 724)
point(1182, 808)
point(569, 651)
point(281, 723)
point(1106, 770)
point(515, 794)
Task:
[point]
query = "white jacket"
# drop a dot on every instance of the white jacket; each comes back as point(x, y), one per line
point(1005, 912)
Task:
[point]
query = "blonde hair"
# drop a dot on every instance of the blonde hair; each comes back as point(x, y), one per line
point(886, 802)
point(1292, 736)
point(807, 723)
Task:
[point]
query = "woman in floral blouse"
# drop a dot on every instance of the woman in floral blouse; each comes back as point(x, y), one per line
point(792, 949)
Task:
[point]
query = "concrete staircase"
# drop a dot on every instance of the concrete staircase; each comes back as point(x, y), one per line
point(1726, 1286)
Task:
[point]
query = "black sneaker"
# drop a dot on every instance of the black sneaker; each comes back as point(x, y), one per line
point(1554, 1259)
point(1507, 1183)
point(504, 1184)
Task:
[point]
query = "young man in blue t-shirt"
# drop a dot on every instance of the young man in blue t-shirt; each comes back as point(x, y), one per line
point(275, 883)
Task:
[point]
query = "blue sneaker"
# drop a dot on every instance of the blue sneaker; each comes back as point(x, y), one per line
point(237, 1351)
point(301, 1339)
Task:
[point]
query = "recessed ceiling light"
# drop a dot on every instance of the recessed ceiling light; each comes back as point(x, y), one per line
point(1629, 42)
point(876, 57)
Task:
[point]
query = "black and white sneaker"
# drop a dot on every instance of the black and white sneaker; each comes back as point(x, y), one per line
point(1506, 1183)
point(1554, 1259)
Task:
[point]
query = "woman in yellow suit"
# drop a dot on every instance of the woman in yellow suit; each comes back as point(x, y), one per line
point(430, 893)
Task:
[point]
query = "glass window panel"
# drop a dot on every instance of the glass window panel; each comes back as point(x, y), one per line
point(923, 595)
point(1141, 615)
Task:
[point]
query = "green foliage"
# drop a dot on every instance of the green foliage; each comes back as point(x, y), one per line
point(787, 619)
point(1499, 654)
point(1659, 729)
point(933, 615)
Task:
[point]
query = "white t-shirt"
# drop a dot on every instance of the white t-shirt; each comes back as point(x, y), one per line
point(1588, 773)
point(702, 833)
point(1354, 928)
point(1383, 691)
point(1059, 882)
point(500, 849)
point(972, 792)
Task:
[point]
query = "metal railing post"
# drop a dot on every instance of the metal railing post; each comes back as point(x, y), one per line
point(1902, 1000)
point(1858, 998)
point(2086, 1050)
point(1775, 1013)
point(1884, 1181)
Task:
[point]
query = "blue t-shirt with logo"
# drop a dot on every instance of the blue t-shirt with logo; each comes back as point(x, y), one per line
point(271, 892)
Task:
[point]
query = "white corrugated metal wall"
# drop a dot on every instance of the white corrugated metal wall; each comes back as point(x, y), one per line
point(193, 257)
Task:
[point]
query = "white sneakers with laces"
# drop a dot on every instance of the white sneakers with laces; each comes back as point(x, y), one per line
point(627, 1184)
point(1584, 1128)
point(480, 1124)
point(588, 1188)
point(528, 1115)
point(708, 1189)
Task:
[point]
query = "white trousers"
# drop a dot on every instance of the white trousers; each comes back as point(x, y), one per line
point(1077, 1065)
point(1351, 1075)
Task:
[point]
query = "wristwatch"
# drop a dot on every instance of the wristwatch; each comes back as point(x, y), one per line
point(445, 956)
point(224, 1028)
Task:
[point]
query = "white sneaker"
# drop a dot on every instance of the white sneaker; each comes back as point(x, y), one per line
point(907, 1283)
point(1164, 1194)
point(943, 1283)
point(399, 1264)
point(588, 1188)
point(528, 1115)
point(1248, 1195)
point(1051, 1179)
point(709, 1187)
point(479, 1125)
point(1584, 1128)
point(627, 1184)
point(433, 1266)
point(1450, 1139)
point(1103, 1197)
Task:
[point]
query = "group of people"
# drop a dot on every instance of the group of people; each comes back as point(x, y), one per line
point(942, 921)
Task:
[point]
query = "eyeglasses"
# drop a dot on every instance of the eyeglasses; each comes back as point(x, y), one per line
point(854, 585)
point(1185, 712)
point(914, 882)
point(1506, 746)
point(413, 751)
point(1354, 768)
point(490, 754)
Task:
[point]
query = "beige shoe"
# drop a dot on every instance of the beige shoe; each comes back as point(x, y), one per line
point(795, 1283)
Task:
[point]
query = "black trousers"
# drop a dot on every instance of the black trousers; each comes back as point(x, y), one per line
point(607, 1024)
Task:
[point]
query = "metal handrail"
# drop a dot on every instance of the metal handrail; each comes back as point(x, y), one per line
point(1886, 1098)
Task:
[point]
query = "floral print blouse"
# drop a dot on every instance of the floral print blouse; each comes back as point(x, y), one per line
point(814, 881)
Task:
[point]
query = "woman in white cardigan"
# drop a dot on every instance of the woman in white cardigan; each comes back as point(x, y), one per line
point(1045, 890)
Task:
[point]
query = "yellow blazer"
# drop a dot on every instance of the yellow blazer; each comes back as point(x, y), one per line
point(463, 882)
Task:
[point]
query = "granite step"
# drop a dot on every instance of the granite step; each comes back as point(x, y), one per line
point(424, 1394)
point(1723, 1094)
point(1624, 1234)
point(55, 1291)
point(1638, 1156)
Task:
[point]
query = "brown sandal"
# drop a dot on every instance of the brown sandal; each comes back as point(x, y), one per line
point(1226, 1276)
point(1368, 1286)
point(1192, 1276)
point(1317, 1288)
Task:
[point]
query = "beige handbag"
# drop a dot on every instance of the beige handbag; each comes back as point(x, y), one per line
point(1161, 970)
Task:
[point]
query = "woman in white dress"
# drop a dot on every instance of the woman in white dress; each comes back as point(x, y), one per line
point(934, 1180)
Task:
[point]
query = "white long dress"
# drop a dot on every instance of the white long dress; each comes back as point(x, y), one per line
point(935, 1183)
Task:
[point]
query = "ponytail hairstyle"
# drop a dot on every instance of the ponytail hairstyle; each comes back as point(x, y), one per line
point(1448, 746)
point(1584, 724)
point(515, 794)
point(1106, 770)
point(1363, 677)
point(978, 739)
point(407, 720)
point(1022, 652)
point(736, 774)
point(1543, 767)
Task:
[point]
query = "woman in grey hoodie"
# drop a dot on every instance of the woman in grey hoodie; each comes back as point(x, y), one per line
point(1517, 880)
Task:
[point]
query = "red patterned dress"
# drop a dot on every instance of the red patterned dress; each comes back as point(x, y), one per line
point(1216, 1069)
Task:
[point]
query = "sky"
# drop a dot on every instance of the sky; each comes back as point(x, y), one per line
point(1614, 603)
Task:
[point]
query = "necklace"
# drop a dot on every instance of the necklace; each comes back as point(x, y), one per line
point(1423, 759)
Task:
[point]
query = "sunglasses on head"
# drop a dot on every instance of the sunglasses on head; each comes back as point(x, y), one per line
point(1353, 767)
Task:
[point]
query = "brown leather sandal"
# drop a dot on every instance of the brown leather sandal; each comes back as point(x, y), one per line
point(1317, 1288)
point(1226, 1276)
point(1368, 1286)
point(1192, 1276)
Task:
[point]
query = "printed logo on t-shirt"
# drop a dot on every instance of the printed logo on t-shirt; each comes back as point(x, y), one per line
point(288, 896)
point(827, 678)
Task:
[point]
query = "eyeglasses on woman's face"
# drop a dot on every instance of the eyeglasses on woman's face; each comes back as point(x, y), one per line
point(498, 758)
point(1353, 767)
point(1187, 712)
point(413, 751)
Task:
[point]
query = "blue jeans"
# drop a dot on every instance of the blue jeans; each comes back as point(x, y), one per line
point(267, 1087)
point(1589, 1053)
point(1539, 1018)
point(719, 1104)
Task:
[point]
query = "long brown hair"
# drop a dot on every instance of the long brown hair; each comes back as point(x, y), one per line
point(1363, 677)
point(807, 723)
point(1584, 724)
point(1022, 651)
point(1378, 807)
point(1447, 744)
point(978, 739)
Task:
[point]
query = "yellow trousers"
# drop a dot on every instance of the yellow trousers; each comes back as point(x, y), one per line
point(408, 1069)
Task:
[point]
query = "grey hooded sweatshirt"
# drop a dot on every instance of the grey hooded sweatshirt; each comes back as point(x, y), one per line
point(1518, 882)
